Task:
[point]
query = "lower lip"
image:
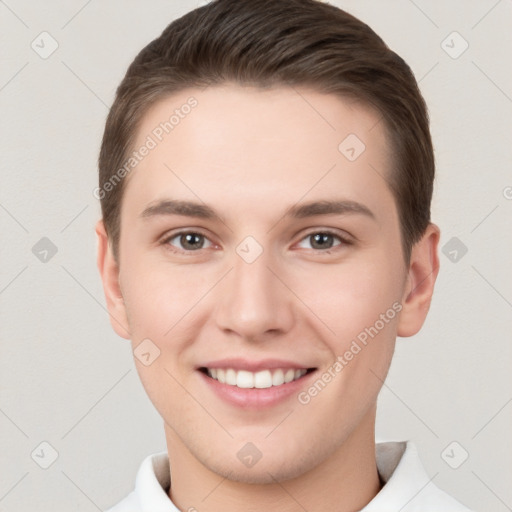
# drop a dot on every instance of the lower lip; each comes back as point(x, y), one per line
point(256, 398)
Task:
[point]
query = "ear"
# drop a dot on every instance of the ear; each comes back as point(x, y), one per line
point(109, 271)
point(419, 286)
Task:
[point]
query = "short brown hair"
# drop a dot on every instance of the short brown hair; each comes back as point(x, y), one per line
point(270, 43)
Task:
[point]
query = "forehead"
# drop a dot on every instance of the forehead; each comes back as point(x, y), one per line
point(247, 142)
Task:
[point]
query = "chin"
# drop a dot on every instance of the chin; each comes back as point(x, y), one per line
point(260, 474)
point(268, 470)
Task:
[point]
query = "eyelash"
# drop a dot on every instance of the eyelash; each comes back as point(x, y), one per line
point(343, 241)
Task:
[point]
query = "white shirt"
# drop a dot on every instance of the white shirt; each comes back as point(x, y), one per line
point(407, 487)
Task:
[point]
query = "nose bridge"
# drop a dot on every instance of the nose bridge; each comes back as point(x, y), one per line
point(252, 299)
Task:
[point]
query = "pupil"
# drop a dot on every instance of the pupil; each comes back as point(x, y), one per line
point(189, 240)
point(321, 237)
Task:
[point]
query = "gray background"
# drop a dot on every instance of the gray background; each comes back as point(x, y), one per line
point(68, 380)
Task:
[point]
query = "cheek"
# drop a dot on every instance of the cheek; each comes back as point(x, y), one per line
point(161, 305)
point(158, 296)
point(351, 297)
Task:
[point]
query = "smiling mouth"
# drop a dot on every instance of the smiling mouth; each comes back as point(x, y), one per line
point(260, 380)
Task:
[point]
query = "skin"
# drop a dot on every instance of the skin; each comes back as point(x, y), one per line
point(250, 154)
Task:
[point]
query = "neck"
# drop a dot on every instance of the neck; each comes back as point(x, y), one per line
point(345, 481)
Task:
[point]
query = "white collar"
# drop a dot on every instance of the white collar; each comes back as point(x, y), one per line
point(407, 486)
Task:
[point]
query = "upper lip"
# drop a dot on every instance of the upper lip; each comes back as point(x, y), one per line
point(253, 365)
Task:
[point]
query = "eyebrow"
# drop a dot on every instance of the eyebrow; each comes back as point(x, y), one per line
point(310, 209)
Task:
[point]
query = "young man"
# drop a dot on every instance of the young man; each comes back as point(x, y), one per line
point(265, 180)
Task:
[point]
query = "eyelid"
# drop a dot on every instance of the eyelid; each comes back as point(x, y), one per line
point(173, 234)
point(343, 235)
point(344, 238)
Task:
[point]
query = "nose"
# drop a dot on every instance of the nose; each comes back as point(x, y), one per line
point(253, 300)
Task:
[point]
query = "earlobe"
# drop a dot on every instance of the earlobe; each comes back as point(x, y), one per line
point(419, 287)
point(109, 272)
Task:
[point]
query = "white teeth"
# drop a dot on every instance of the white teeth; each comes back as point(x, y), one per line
point(244, 379)
point(289, 376)
point(231, 377)
point(297, 374)
point(278, 378)
point(262, 379)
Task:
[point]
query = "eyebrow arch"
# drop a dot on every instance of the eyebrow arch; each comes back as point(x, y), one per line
point(310, 209)
point(325, 207)
point(185, 208)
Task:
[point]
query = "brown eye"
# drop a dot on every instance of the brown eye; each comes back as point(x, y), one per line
point(323, 240)
point(187, 241)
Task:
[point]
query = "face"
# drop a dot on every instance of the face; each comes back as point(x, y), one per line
point(258, 245)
